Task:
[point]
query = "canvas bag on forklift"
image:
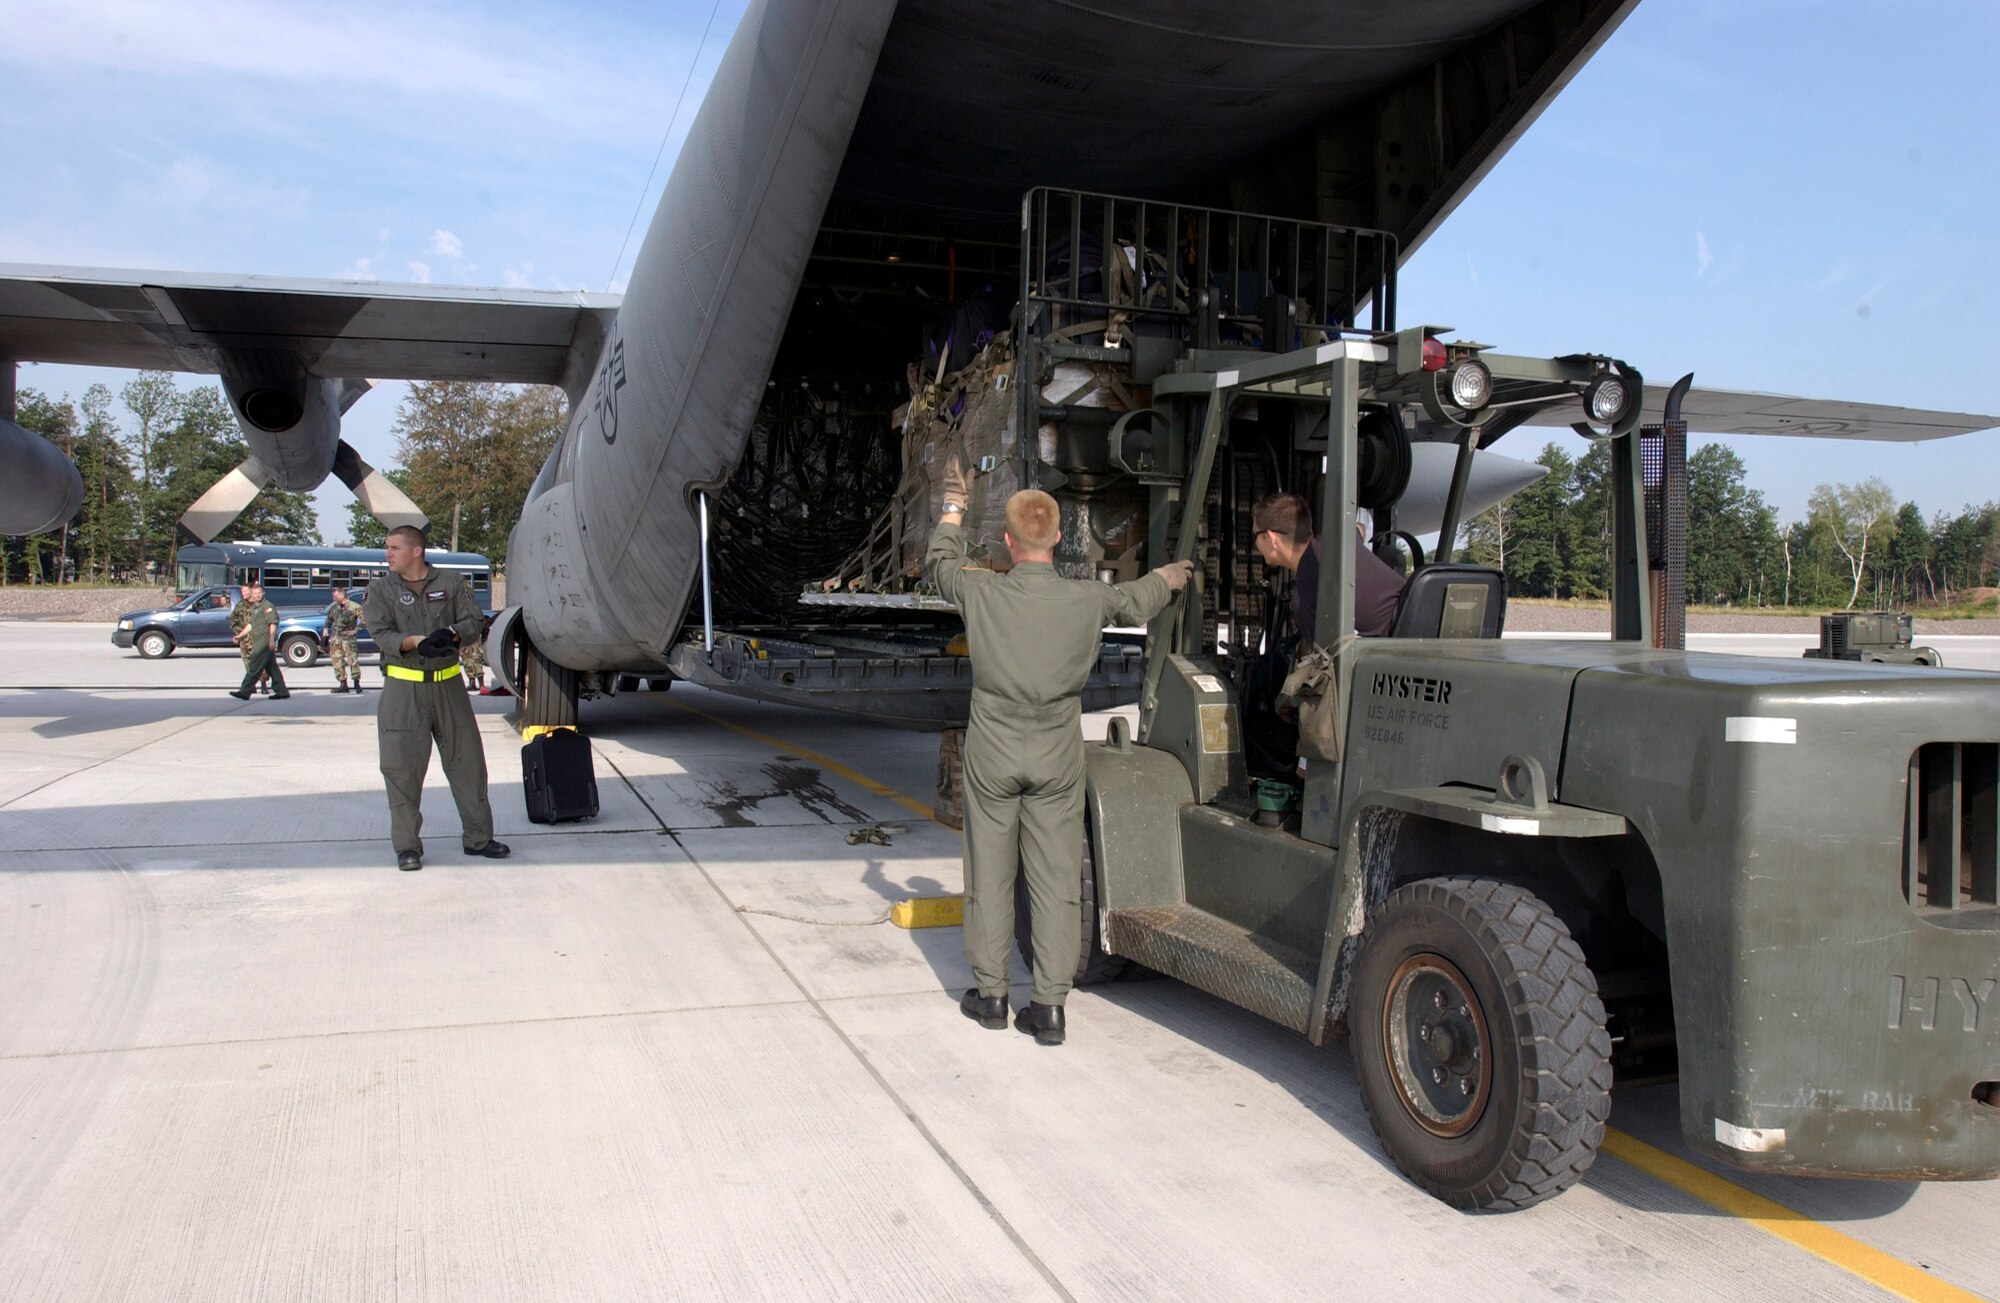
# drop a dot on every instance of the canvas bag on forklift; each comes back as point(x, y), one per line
point(1315, 690)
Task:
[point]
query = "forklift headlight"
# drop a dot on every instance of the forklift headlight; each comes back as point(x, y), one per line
point(1606, 400)
point(1471, 385)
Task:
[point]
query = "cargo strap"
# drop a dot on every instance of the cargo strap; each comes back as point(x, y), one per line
point(420, 676)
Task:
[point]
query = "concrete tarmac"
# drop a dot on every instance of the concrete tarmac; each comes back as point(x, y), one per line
point(674, 1052)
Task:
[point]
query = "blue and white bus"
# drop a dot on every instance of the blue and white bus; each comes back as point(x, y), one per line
point(307, 576)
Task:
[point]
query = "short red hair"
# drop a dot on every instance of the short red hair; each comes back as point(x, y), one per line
point(1034, 520)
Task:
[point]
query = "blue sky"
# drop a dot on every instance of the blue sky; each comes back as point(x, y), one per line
point(1794, 196)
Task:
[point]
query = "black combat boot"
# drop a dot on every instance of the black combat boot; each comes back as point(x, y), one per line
point(1042, 1021)
point(989, 1010)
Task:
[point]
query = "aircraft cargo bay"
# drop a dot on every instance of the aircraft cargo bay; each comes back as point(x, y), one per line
point(678, 1051)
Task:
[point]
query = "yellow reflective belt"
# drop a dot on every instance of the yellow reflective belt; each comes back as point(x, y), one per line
point(419, 676)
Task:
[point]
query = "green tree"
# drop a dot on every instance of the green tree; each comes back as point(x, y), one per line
point(1732, 531)
point(1487, 536)
point(1853, 517)
point(1590, 522)
point(154, 403)
point(1540, 562)
point(475, 448)
point(1907, 559)
point(108, 527)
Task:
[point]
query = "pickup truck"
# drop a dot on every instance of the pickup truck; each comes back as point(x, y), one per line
point(201, 619)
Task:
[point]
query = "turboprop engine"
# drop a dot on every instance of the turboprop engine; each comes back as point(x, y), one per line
point(39, 488)
point(290, 419)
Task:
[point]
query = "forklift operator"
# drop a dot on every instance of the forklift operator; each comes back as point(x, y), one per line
point(1034, 638)
point(1284, 526)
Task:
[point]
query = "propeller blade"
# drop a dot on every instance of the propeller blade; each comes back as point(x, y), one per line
point(377, 492)
point(225, 500)
point(349, 393)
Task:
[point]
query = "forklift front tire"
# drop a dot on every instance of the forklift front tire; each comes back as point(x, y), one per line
point(1480, 1045)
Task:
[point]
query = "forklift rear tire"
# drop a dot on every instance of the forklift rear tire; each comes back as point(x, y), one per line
point(1480, 1045)
point(1093, 966)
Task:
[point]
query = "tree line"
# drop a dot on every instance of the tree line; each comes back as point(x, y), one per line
point(468, 452)
point(1856, 546)
point(148, 452)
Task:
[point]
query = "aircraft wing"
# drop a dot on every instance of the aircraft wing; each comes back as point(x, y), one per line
point(1729, 411)
point(181, 321)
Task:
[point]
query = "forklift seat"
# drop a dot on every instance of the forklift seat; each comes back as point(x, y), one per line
point(1451, 601)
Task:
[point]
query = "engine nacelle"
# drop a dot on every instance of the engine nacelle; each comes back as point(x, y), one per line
point(39, 488)
point(290, 419)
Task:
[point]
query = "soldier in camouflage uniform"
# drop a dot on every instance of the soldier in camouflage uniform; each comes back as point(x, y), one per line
point(343, 618)
point(1034, 638)
point(472, 658)
point(239, 620)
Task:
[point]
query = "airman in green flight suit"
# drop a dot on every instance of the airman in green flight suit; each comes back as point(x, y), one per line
point(1034, 639)
point(420, 616)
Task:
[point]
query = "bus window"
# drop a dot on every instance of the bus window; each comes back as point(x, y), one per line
point(341, 579)
point(273, 578)
point(482, 583)
point(302, 579)
point(322, 577)
point(190, 575)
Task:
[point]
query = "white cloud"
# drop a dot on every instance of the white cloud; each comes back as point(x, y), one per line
point(362, 270)
point(1703, 257)
point(446, 245)
point(519, 276)
point(421, 271)
point(1835, 274)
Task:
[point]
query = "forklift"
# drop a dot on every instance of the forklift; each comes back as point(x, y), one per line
point(1515, 873)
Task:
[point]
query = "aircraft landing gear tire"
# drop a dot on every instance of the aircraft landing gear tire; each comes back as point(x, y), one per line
point(548, 693)
point(1093, 966)
point(1480, 1045)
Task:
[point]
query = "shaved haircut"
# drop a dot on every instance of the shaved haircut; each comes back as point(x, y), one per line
point(410, 534)
point(1034, 520)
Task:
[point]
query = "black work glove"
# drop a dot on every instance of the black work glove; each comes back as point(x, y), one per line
point(440, 643)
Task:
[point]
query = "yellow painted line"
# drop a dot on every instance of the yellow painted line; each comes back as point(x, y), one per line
point(929, 911)
point(1850, 1255)
point(910, 803)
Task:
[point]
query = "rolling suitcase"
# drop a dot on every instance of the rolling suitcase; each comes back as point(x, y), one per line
point(557, 777)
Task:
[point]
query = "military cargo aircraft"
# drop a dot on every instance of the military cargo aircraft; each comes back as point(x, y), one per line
point(898, 232)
